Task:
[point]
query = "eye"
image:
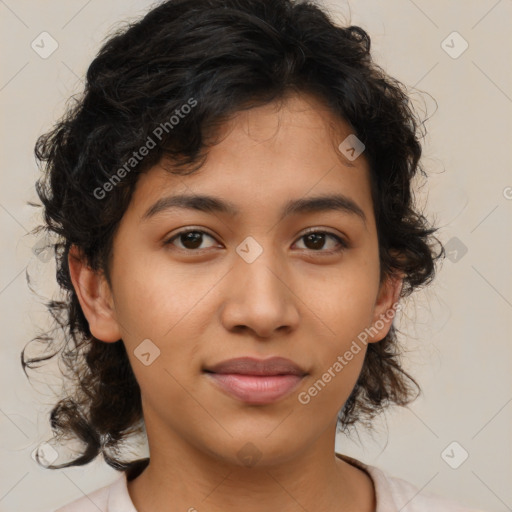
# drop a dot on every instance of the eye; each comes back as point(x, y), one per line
point(190, 239)
point(315, 241)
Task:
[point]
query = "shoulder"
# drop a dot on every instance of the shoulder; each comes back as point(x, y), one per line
point(394, 494)
point(93, 501)
point(113, 497)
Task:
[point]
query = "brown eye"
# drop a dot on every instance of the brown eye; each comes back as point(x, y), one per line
point(190, 240)
point(316, 241)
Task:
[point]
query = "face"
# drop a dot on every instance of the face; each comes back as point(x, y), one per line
point(192, 288)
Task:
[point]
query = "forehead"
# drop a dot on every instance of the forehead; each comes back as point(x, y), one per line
point(268, 156)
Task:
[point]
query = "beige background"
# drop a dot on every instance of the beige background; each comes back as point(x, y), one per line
point(458, 332)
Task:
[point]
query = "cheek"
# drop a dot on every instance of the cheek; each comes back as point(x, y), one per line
point(151, 297)
point(344, 303)
point(326, 391)
point(344, 298)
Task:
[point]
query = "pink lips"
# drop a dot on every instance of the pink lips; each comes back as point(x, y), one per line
point(256, 381)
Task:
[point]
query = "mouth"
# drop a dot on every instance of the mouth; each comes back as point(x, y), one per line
point(256, 381)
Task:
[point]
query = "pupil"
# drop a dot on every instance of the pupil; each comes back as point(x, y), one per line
point(193, 238)
point(317, 238)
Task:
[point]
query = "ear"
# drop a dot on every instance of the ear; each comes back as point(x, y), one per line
point(385, 307)
point(95, 297)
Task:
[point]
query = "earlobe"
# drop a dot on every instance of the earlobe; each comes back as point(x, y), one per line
point(385, 307)
point(95, 297)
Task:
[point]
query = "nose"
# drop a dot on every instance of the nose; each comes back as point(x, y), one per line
point(260, 297)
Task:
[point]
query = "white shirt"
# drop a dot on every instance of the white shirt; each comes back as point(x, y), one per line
point(392, 495)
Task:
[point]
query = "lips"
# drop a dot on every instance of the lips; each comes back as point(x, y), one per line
point(252, 366)
point(256, 381)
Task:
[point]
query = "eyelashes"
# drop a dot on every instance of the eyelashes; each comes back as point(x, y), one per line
point(313, 235)
point(194, 238)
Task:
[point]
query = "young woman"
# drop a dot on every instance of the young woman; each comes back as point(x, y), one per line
point(231, 199)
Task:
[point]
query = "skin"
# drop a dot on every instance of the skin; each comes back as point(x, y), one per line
point(203, 307)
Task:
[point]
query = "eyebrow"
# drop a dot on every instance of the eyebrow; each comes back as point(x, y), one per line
point(210, 204)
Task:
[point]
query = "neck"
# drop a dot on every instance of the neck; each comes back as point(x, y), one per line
point(188, 478)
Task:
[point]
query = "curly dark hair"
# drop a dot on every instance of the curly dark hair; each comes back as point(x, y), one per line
point(226, 55)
